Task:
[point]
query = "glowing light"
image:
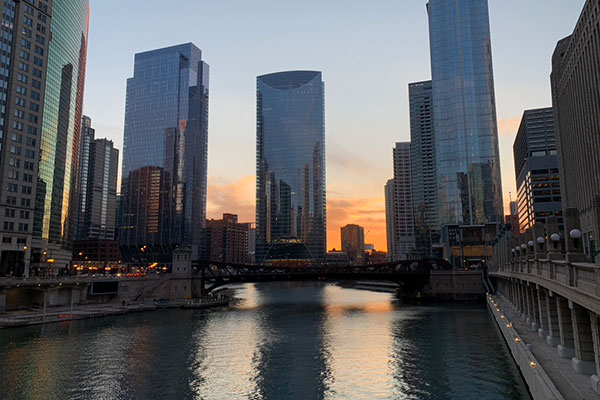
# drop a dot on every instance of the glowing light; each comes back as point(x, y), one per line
point(517, 340)
point(533, 364)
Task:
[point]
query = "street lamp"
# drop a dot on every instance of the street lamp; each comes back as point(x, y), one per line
point(555, 237)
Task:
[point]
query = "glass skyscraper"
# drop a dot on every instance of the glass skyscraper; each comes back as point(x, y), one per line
point(464, 112)
point(290, 161)
point(166, 128)
point(55, 198)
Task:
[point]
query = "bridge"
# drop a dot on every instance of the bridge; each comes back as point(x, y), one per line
point(550, 293)
point(410, 275)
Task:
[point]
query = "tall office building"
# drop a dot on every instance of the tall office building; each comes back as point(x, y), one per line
point(423, 168)
point(165, 149)
point(464, 112)
point(576, 102)
point(290, 161)
point(99, 162)
point(536, 169)
point(401, 217)
point(353, 242)
point(87, 136)
point(44, 47)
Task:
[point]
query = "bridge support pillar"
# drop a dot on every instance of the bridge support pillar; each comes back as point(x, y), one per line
point(566, 348)
point(2, 301)
point(533, 311)
point(514, 296)
point(595, 322)
point(543, 312)
point(525, 301)
point(584, 360)
point(553, 338)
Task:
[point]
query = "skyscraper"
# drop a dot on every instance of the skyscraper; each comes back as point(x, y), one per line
point(390, 219)
point(576, 102)
point(86, 138)
point(353, 242)
point(464, 112)
point(403, 199)
point(536, 169)
point(423, 168)
point(290, 161)
point(97, 185)
point(44, 48)
point(165, 148)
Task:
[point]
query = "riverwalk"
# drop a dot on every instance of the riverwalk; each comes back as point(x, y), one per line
point(549, 365)
point(31, 316)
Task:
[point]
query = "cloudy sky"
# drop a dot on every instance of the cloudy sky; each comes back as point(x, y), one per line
point(368, 51)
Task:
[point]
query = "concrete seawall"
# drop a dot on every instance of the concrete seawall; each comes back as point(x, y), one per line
point(540, 385)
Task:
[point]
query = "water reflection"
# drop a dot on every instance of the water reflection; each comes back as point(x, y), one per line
point(284, 341)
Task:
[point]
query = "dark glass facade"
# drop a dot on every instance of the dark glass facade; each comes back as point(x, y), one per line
point(290, 170)
point(166, 126)
point(56, 200)
point(464, 112)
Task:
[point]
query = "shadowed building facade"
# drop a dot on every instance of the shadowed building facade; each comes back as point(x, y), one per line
point(290, 161)
point(165, 149)
point(464, 112)
point(423, 168)
point(353, 242)
point(576, 102)
point(536, 169)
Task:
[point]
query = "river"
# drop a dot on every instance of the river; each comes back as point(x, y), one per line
point(282, 341)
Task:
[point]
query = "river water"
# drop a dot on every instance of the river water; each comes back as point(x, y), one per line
point(282, 341)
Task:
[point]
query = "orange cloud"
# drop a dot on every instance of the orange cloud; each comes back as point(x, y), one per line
point(367, 212)
point(235, 198)
point(508, 126)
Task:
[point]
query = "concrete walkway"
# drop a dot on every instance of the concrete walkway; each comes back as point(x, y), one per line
point(571, 384)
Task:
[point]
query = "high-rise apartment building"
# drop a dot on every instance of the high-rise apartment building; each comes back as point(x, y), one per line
point(227, 240)
point(166, 135)
point(290, 161)
point(423, 168)
point(44, 46)
point(464, 112)
point(97, 188)
point(399, 205)
point(390, 218)
point(576, 102)
point(353, 242)
point(536, 169)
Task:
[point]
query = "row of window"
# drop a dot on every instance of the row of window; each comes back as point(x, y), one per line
point(8, 239)
point(12, 200)
point(14, 188)
point(11, 213)
point(10, 226)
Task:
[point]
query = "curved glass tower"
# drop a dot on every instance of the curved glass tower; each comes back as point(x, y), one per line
point(464, 112)
point(290, 161)
point(63, 101)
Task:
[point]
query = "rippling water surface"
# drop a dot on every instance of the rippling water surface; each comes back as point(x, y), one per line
point(283, 341)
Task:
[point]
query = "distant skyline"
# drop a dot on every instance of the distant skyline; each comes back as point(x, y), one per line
point(368, 56)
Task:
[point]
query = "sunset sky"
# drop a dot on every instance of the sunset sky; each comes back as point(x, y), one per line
point(368, 52)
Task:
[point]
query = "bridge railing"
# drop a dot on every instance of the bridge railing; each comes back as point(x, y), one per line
point(583, 276)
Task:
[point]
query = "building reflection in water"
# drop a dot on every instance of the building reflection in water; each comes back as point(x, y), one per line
point(225, 351)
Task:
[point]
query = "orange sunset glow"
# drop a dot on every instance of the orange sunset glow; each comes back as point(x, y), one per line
point(239, 198)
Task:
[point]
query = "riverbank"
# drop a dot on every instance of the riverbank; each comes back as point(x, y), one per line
point(61, 314)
